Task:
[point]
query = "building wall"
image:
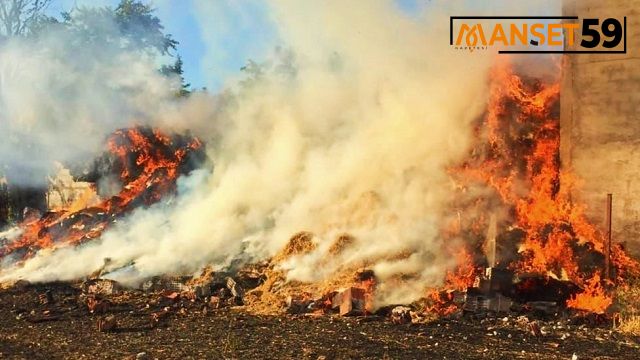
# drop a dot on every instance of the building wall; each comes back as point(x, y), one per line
point(600, 122)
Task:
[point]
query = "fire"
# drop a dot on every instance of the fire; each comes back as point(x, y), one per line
point(464, 275)
point(458, 279)
point(593, 298)
point(513, 179)
point(517, 156)
point(148, 163)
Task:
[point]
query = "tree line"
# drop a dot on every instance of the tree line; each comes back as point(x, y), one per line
point(139, 29)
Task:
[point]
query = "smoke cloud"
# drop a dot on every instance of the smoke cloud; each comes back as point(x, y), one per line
point(62, 94)
point(350, 129)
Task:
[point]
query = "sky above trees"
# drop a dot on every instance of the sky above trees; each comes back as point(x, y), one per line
point(216, 37)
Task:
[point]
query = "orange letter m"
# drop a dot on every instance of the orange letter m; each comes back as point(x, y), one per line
point(473, 33)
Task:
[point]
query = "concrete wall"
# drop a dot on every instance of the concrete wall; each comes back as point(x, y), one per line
point(600, 122)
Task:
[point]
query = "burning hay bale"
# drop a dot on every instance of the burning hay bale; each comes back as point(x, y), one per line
point(146, 161)
point(356, 300)
point(276, 295)
point(551, 256)
point(268, 297)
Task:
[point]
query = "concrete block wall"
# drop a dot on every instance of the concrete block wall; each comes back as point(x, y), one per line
point(600, 122)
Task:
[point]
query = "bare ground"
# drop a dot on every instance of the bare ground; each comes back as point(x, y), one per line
point(61, 327)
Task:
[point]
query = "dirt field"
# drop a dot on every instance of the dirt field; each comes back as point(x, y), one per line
point(52, 322)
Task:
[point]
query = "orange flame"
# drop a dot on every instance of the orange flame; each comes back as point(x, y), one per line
point(152, 174)
point(458, 279)
point(518, 158)
point(593, 298)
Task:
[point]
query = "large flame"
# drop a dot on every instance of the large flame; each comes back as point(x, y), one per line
point(518, 158)
point(148, 162)
point(593, 298)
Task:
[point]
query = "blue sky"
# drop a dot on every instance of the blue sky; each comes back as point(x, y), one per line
point(178, 19)
point(216, 37)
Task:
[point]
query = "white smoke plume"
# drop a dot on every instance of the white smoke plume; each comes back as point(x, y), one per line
point(62, 94)
point(353, 134)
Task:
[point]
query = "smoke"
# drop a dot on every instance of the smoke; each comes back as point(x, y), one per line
point(61, 94)
point(349, 130)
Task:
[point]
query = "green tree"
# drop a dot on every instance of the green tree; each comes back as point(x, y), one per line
point(16, 16)
point(141, 28)
point(138, 29)
point(176, 70)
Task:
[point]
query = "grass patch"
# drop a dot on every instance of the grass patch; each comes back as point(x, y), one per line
point(628, 306)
